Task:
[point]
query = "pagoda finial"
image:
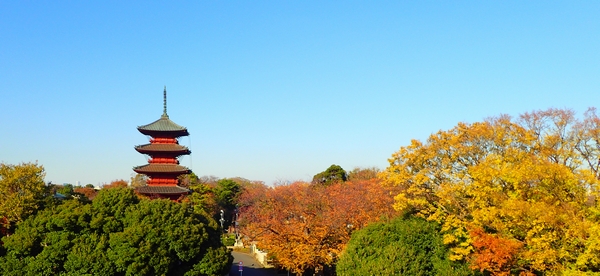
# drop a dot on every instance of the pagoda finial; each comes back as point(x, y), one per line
point(165, 102)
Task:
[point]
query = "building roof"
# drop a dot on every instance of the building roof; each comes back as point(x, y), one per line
point(162, 190)
point(162, 148)
point(163, 125)
point(161, 168)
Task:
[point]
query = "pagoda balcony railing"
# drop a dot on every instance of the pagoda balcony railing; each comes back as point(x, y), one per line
point(163, 161)
point(164, 141)
point(162, 181)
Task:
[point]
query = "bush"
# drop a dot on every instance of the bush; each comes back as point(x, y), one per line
point(228, 240)
point(399, 247)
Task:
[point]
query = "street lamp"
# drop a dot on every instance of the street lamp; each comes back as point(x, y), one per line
point(222, 220)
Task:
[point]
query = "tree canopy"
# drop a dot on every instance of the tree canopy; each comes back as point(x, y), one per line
point(116, 234)
point(512, 196)
point(304, 226)
point(331, 175)
point(22, 192)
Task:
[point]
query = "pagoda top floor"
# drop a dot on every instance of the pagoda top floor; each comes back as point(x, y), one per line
point(163, 127)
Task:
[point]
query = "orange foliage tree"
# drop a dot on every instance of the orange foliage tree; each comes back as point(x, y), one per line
point(305, 227)
point(494, 254)
point(119, 183)
point(88, 192)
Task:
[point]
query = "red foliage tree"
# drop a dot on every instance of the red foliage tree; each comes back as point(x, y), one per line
point(304, 226)
point(88, 192)
point(119, 183)
point(493, 254)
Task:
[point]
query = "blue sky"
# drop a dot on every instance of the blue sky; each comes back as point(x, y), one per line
point(277, 90)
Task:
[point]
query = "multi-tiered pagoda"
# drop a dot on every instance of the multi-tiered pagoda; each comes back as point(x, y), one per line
point(163, 168)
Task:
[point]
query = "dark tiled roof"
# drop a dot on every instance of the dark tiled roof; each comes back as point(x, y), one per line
point(161, 168)
point(175, 148)
point(164, 124)
point(162, 190)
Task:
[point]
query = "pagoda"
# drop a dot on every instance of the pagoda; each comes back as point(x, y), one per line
point(163, 168)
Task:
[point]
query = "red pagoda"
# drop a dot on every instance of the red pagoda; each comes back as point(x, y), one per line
point(163, 168)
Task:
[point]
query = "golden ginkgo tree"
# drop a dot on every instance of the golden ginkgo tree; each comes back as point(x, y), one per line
point(512, 196)
point(22, 190)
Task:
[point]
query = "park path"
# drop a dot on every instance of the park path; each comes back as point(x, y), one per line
point(250, 266)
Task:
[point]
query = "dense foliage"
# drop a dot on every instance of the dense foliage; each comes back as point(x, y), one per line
point(22, 193)
point(331, 175)
point(305, 226)
point(512, 196)
point(399, 247)
point(116, 234)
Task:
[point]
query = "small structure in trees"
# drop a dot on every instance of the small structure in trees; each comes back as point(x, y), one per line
point(163, 168)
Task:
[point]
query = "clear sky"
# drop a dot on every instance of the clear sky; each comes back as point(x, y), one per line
point(277, 90)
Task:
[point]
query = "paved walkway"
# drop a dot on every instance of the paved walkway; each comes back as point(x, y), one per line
point(250, 266)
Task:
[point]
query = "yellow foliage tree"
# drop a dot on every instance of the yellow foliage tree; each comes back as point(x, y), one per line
point(22, 189)
point(527, 183)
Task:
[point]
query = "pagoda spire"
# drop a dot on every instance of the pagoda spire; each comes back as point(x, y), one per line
point(165, 102)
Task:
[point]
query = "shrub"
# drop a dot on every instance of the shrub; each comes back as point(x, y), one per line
point(399, 247)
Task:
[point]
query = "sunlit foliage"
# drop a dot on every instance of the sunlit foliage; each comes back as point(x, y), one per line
point(304, 226)
point(22, 192)
point(116, 234)
point(512, 196)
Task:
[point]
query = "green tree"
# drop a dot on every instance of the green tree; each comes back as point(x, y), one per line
point(117, 234)
point(202, 199)
point(65, 189)
point(228, 193)
point(399, 247)
point(333, 174)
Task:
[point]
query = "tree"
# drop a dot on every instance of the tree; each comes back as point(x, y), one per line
point(138, 180)
point(363, 173)
point(22, 192)
point(526, 183)
point(87, 192)
point(202, 199)
point(117, 234)
point(304, 226)
point(332, 175)
point(227, 193)
point(119, 183)
point(66, 190)
point(398, 247)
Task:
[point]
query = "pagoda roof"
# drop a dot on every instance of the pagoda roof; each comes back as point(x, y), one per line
point(163, 125)
point(161, 168)
point(150, 189)
point(162, 148)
